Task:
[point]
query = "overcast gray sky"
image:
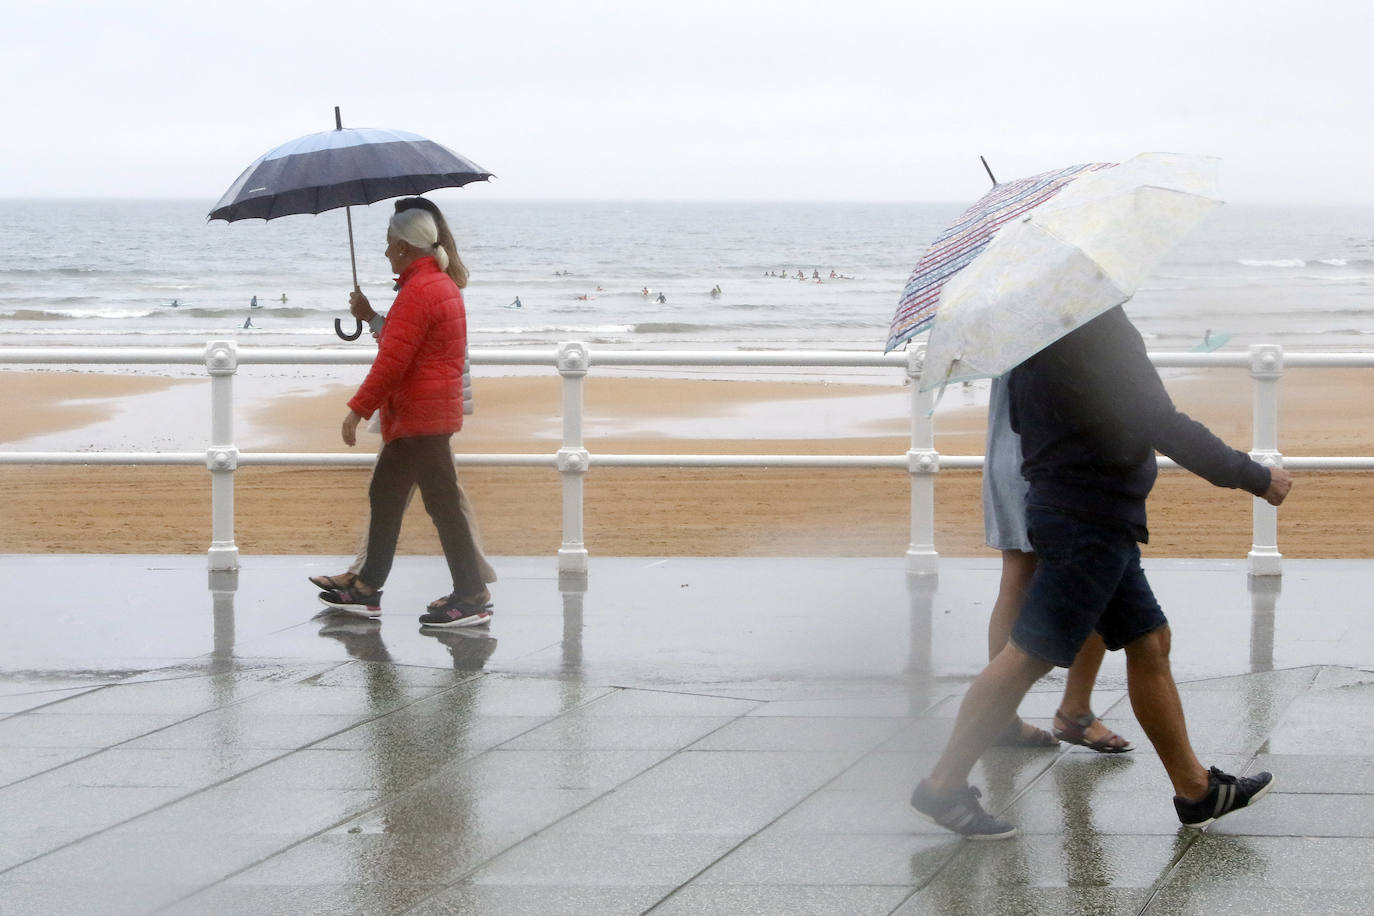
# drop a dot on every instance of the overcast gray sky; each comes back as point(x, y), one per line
point(712, 99)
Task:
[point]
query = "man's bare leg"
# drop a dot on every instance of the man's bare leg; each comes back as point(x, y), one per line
point(1154, 697)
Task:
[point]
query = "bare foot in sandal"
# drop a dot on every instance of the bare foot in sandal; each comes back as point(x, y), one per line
point(333, 583)
point(1089, 731)
point(1020, 733)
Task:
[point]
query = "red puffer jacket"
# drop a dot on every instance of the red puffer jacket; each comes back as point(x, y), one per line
point(417, 377)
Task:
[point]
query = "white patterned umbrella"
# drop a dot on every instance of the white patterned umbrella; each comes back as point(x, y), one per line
point(1055, 266)
point(965, 239)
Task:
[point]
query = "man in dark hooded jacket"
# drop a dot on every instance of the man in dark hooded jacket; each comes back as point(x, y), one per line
point(1091, 411)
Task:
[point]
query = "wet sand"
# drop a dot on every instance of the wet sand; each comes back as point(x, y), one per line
point(657, 512)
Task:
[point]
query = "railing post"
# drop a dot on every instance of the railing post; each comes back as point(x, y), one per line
point(573, 460)
point(222, 457)
point(923, 463)
point(1266, 368)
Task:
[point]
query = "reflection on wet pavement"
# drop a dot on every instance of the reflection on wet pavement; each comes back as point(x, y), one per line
point(714, 736)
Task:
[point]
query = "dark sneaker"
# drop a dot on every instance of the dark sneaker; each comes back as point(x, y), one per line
point(454, 612)
point(961, 813)
point(1225, 793)
point(353, 601)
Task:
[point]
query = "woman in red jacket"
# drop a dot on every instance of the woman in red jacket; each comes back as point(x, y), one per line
point(417, 382)
point(363, 311)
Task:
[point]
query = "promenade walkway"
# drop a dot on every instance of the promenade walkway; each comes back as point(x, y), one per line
point(675, 736)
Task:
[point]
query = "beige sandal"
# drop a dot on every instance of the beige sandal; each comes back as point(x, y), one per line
point(333, 583)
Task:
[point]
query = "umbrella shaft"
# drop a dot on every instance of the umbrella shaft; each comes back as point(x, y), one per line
point(352, 257)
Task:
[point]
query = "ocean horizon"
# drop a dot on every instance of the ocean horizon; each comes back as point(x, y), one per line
point(110, 272)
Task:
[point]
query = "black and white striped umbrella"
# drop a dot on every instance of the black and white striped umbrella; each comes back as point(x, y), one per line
point(344, 167)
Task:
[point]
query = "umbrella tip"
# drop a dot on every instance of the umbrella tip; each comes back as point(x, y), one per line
point(338, 122)
point(986, 167)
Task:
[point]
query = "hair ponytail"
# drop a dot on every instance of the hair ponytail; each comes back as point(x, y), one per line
point(440, 242)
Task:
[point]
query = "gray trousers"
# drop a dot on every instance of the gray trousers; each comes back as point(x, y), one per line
point(484, 568)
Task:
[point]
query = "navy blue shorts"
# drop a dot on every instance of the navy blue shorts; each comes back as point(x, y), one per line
point(1087, 577)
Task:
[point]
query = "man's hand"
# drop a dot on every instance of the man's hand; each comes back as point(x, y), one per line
point(350, 428)
point(1280, 482)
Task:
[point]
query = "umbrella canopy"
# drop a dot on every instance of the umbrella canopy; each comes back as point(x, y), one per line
point(1077, 254)
point(343, 167)
point(965, 239)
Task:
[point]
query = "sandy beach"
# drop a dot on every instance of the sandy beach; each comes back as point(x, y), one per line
point(656, 512)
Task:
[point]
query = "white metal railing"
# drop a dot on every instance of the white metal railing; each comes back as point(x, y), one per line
point(573, 360)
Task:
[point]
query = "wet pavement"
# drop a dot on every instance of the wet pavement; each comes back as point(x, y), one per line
point(713, 736)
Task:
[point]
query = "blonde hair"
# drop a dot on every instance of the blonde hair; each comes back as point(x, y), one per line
point(446, 252)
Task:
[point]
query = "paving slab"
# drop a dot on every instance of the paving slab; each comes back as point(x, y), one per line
point(663, 735)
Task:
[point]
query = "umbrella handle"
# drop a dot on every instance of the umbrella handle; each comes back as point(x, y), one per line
point(338, 329)
point(353, 261)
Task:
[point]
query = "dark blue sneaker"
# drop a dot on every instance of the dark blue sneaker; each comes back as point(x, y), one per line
point(1225, 793)
point(960, 812)
point(353, 601)
point(456, 612)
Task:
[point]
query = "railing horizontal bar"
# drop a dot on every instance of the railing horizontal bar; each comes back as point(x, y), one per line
point(361, 356)
point(748, 461)
point(79, 355)
point(1333, 463)
point(491, 356)
point(345, 459)
point(196, 458)
point(1328, 360)
point(1305, 462)
point(1187, 360)
point(855, 358)
point(299, 356)
point(547, 358)
point(481, 356)
point(1306, 360)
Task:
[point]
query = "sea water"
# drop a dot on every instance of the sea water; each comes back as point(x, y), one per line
point(148, 273)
